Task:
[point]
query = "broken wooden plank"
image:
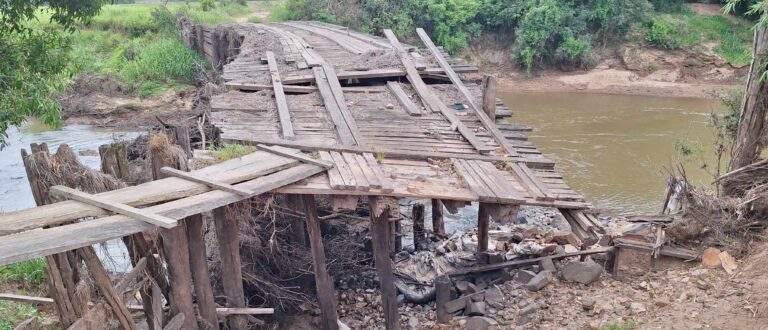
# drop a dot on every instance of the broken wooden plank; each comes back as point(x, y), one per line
point(329, 101)
point(282, 104)
point(208, 182)
point(245, 86)
point(334, 176)
point(403, 99)
point(224, 311)
point(526, 262)
point(386, 186)
point(487, 122)
point(297, 155)
point(431, 101)
point(346, 172)
point(374, 73)
point(113, 299)
point(130, 211)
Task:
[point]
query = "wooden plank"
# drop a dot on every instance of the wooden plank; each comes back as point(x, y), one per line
point(497, 181)
point(38, 243)
point(338, 95)
point(246, 86)
point(357, 172)
point(69, 193)
point(208, 182)
point(297, 155)
point(282, 104)
point(403, 99)
point(526, 262)
point(334, 176)
point(345, 134)
point(100, 277)
point(473, 183)
point(487, 122)
point(430, 100)
point(370, 176)
point(380, 234)
point(386, 186)
point(227, 234)
point(198, 264)
point(374, 73)
point(245, 311)
point(483, 222)
point(346, 172)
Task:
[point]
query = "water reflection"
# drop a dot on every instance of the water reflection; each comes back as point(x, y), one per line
point(612, 148)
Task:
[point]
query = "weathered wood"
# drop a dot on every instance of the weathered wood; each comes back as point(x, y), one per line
point(178, 322)
point(299, 89)
point(157, 307)
point(298, 228)
point(380, 235)
point(438, 226)
point(176, 252)
point(525, 262)
point(489, 95)
point(36, 243)
point(417, 214)
point(114, 160)
point(245, 311)
point(126, 210)
point(295, 154)
point(487, 121)
point(100, 277)
point(198, 263)
point(282, 104)
point(443, 286)
point(483, 221)
point(326, 294)
point(429, 99)
point(403, 99)
point(227, 234)
point(345, 134)
point(180, 134)
point(374, 73)
point(208, 182)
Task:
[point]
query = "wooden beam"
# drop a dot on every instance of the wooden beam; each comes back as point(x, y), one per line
point(403, 99)
point(487, 122)
point(244, 311)
point(208, 182)
point(282, 104)
point(176, 252)
point(380, 236)
point(417, 214)
point(244, 86)
point(296, 154)
point(126, 210)
point(346, 136)
point(100, 277)
point(525, 262)
point(375, 73)
point(483, 220)
point(326, 294)
point(198, 263)
point(431, 101)
point(227, 234)
point(438, 227)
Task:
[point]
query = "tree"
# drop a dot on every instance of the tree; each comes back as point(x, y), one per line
point(33, 58)
point(751, 133)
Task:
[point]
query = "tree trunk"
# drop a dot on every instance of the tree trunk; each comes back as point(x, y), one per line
point(749, 137)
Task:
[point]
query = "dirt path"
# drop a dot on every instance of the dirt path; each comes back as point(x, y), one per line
point(258, 10)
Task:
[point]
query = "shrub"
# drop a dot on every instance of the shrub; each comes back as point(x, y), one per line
point(30, 273)
point(165, 60)
point(207, 5)
point(662, 34)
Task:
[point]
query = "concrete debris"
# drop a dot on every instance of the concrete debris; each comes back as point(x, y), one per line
point(539, 281)
point(523, 276)
point(475, 308)
point(584, 272)
point(480, 323)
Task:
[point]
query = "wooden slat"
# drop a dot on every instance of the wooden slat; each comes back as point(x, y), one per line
point(344, 170)
point(282, 104)
point(403, 99)
point(487, 122)
point(386, 186)
point(474, 183)
point(334, 176)
point(294, 154)
point(38, 243)
point(370, 176)
point(208, 182)
point(493, 179)
point(373, 73)
point(354, 167)
point(338, 95)
point(430, 100)
point(130, 211)
point(345, 134)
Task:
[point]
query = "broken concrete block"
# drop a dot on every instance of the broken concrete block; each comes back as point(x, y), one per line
point(539, 281)
point(458, 304)
point(494, 297)
point(548, 265)
point(474, 308)
point(584, 272)
point(466, 287)
point(480, 323)
point(524, 276)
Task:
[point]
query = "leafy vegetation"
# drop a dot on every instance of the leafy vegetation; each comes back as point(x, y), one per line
point(14, 313)
point(30, 273)
point(230, 151)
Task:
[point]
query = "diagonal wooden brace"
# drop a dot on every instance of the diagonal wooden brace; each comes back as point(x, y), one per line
point(126, 210)
point(208, 182)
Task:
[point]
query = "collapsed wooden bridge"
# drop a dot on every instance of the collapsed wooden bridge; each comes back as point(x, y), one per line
point(333, 112)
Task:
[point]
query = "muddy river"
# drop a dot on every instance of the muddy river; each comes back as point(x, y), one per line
point(613, 148)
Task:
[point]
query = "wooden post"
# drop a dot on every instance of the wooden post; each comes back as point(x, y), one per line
point(397, 241)
point(483, 220)
point(380, 235)
point(115, 301)
point(489, 96)
point(417, 214)
point(326, 294)
point(114, 160)
point(199, 267)
point(181, 137)
point(298, 229)
point(175, 244)
point(231, 272)
point(442, 295)
point(438, 226)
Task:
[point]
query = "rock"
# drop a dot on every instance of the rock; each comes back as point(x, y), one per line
point(728, 262)
point(465, 287)
point(584, 272)
point(413, 322)
point(494, 297)
point(568, 248)
point(548, 265)
point(524, 276)
point(701, 284)
point(588, 304)
point(475, 308)
point(390, 106)
point(400, 299)
point(565, 237)
point(661, 302)
point(479, 323)
point(711, 258)
point(539, 281)
point(528, 309)
point(637, 308)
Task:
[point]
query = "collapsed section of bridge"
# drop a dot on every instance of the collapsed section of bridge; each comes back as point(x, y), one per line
point(332, 112)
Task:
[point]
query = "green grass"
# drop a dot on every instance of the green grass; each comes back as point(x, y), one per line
point(230, 151)
point(13, 313)
point(163, 60)
point(731, 36)
point(627, 325)
point(30, 273)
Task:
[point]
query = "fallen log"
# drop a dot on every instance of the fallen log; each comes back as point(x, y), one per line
point(526, 262)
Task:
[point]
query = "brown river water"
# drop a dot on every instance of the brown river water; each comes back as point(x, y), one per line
point(613, 148)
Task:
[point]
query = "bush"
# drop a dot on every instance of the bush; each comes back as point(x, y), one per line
point(165, 60)
point(662, 34)
point(207, 5)
point(30, 273)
